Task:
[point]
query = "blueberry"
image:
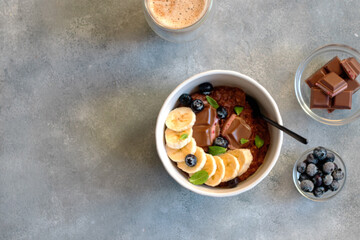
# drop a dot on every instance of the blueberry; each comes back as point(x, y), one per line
point(330, 157)
point(301, 167)
point(185, 99)
point(303, 176)
point(197, 105)
point(327, 179)
point(336, 166)
point(319, 191)
point(206, 88)
point(232, 183)
point(338, 174)
point(317, 180)
point(320, 153)
point(311, 159)
point(307, 185)
point(221, 112)
point(334, 186)
point(190, 160)
point(328, 167)
point(311, 169)
point(221, 142)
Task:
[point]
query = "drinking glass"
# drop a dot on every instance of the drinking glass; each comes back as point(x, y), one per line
point(185, 34)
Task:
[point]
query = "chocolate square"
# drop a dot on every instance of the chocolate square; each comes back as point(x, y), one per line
point(315, 77)
point(319, 99)
point(332, 84)
point(334, 65)
point(206, 127)
point(202, 135)
point(351, 67)
point(206, 117)
point(235, 129)
point(343, 100)
point(353, 85)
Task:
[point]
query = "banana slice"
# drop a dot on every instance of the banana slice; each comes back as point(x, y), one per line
point(232, 166)
point(201, 160)
point(176, 140)
point(180, 119)
point(210, 165)
point(247, 157)
point(240, 156)
point(178, 155)
point(219, 173)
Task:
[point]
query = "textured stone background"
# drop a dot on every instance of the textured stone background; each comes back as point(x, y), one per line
point(81, 84)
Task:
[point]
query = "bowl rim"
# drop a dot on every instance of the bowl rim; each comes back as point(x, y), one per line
point(296, 181)
point(297, 87)
point(160, 125)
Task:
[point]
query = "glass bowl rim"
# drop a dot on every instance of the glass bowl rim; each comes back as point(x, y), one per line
point(298, 75)
point(296, 181)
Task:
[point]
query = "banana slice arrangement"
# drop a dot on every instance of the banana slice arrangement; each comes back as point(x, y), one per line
point(180, 144)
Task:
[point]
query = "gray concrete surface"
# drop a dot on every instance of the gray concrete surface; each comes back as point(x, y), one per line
point(81, 84)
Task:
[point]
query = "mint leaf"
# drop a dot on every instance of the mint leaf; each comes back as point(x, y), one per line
point(243, 140)
point(216, 150)
point(238, 110)
point(212, 102)
point(199, 177)
point(258, 141)
point(184, 136)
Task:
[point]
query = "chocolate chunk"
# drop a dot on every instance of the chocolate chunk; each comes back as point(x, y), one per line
point(319, 99)
point(343, 100)
point(334, 65)
point(351, 67)
point(353, 85)
point(234, 129)
point(206, 117)
point(316, 77)
point(332, 84)
point(202, 135)
point(206, 127)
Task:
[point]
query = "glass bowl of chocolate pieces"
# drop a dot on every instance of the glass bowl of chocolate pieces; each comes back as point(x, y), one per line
point(327, 84)
point(319, 174)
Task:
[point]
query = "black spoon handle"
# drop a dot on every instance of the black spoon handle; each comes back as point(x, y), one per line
point(284, 129)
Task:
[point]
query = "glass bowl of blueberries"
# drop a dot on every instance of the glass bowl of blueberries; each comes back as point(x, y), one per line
point(319, 174)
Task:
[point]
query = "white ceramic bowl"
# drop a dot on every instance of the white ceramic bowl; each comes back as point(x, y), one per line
point(268, 108)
